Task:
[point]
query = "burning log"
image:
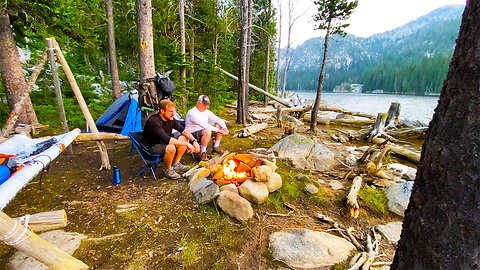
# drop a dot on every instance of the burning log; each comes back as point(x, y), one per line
point(352, 197)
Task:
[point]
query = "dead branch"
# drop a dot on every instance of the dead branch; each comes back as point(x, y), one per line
point(352, 197)
point(353, 239)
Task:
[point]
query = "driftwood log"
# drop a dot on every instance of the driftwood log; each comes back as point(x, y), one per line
point(23, 239)
point(329, 121)
point(83, 105)
point(82, 137)
point(401, 151)
point(248, 131)
point(13, 117)
point(283, 110)
point(44, 221)
point(352, 197)
point(393, 115)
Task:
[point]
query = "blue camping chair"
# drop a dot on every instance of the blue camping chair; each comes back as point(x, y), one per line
point(151, 160)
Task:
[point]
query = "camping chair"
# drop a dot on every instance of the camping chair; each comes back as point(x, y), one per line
point(151, 160)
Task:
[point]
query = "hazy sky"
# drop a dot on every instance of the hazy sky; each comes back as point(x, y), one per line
point(370, 17)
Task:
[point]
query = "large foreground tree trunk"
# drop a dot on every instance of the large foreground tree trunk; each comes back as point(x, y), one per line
point(12, 73)
point(112, 51)
point(441, 229)
point(242, 105)
point(145, 52)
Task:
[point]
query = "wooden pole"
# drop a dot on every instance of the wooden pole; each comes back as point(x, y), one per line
point(12, 118)
point(83, 105)
point(56, 84)
point(23, 239)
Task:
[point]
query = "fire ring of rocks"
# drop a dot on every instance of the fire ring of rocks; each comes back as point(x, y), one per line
point(235, 180)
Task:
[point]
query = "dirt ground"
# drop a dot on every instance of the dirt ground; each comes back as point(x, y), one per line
point(168, 229)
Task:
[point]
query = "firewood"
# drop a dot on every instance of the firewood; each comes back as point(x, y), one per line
point(353, 239)
point(352, 197)
point(44, 221)
point(82, 137)
point(250, 130)
point(359, 262)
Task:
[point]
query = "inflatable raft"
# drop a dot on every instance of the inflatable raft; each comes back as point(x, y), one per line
point(30, 156)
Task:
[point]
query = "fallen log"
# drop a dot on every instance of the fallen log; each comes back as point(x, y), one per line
point(400, 151)
point(248, 131)
point(283, 110)
point(23, 239)
point(352, 197)
point(330, 121)
point(83, 137)
point(323, 108)
point(44, 221)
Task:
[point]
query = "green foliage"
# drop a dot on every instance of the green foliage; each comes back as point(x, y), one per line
point(190, 249)
point(332, 14)
point(374, 199)
point(289, 190)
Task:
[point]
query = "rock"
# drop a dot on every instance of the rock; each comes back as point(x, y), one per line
point(391, 231)
point(234, 205)
point(335, 185)
point(344, 116)
point(262, 117)
point(402, 171)
point(399, 196)
point(304, 153)
point(303, 248)
point(199, 173)
point(302, 177)
point(66, 241)
point(269, 163)
point(198, 184)
point(351, 160)
point(207, 193)
point(262, 173)
point(311, 188)
point(230, 187)
point(274, 183)
point(256, 192)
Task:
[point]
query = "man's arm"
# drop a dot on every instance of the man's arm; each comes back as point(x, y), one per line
point(195, 118)
point(217, 120)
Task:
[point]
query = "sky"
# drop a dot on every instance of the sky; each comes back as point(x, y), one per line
point(370, 17)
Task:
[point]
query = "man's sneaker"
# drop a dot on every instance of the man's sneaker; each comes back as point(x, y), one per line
point(218, 150)
point(203, 156)
point(180, 168)
point(172, 174)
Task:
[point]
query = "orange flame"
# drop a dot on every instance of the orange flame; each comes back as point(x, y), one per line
point(230, 173)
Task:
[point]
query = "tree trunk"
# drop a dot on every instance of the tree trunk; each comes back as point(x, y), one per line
point(183, 71)
point(445, 197)
point(267, 56)
point(243, 76)
point(145, 52)
point(313, 123)
point(112, 51)
point(287, 56)
point(11, 70)
point(277, 84)
point(192, 56)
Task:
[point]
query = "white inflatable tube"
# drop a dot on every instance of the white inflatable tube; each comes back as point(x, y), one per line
point(15, 183)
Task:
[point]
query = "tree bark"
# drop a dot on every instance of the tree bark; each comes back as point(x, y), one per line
point(277, 84)
point(445, 197)
point(313, 123)
point(242, 113)
point(287, 56)
point(267, 56)
point(11, 70)
point(145, 51)
point(112, 51)
point(183, 71)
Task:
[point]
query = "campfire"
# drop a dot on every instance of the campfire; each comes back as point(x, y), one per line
point(235, 168)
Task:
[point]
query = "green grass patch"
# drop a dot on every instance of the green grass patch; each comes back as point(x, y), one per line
point(374, 199)
point(190, 250)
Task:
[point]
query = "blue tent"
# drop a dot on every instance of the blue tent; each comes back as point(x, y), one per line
point(122, 116)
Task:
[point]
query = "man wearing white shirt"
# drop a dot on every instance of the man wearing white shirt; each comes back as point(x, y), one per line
point(198, 121)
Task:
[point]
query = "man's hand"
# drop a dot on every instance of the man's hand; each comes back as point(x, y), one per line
point(224, 131)
point(196, 146)
point(191, 148)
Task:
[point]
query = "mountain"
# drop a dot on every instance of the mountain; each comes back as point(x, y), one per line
point(410, 59)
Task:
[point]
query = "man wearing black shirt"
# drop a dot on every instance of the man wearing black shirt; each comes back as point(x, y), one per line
point(157, 137)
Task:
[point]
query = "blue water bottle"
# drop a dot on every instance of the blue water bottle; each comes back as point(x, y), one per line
point(116, 175)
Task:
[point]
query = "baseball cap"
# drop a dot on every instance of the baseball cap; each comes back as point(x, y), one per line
point(204, 99)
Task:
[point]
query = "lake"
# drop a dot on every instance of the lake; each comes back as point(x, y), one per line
point(413, 108)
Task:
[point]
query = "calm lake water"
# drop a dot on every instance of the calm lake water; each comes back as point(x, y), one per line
point(412, 108)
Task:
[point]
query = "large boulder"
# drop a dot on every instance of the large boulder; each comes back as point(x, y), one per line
point(399, 196)
point(234, 205)
point(304, 248)
point(256, 192)
point(305, 153)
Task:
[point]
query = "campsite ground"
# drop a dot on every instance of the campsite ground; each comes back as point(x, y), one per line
point(168, 229)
